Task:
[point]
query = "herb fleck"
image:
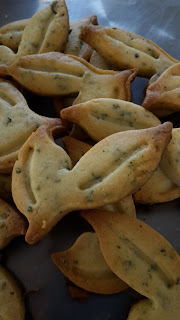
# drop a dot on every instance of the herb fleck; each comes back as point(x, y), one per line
point(29, 209)
point(8, 121)
point(90, 195)
point(115, 106)
point(18, 170)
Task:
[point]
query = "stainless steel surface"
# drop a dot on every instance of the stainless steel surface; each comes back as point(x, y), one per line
point(159, 21)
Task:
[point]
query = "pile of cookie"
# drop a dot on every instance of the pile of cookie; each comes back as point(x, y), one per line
point(115, 153)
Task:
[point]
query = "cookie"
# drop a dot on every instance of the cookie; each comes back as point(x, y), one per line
point(85, 266)
point(74, 45)
point(65, 74)
point(97, 61)
point(100, 118)
point(170, 160)
point(45, 187)
point(127, 50)
point(17, 122)
point(11, 34)
point(46, 31)
point(76, 149)
point(157, 190)
point(162, 96)
point(142, 258)
point(12, 223)
point(11, 299)
point(164, 185)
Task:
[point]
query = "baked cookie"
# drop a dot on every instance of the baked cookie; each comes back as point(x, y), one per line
point(65, 74)
point(85, 266)
point(127, 50)
point(12, 224)
point(76, 149)
point(74, 45)
point(46, 31)
point(100, 118)
point(45, 187)
point(97, 61)
point(164, 185)
point(11, 299)
point(11, 34)
point(171, 158)
point(162, 96)
point(17, 122)
point(142, 258)
point(157, 190)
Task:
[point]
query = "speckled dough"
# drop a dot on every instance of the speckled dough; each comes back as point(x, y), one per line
point(127, 50)
point(76, 149)
point(164, 185)
point(11, 34)
point(11, 298)
point(85, 266)
point(66, 74)
point(152, 268)
point(45, 187)
point(46, 31)
point(12, 223)
point(100, 118)
point(163, 96)
point(17, 122)
point(74, 45)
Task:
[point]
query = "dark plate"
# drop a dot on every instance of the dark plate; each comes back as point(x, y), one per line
point(32, 265)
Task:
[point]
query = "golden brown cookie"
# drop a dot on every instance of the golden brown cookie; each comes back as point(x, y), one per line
point(12, 223)
point(163, 95)
point(127, 50)
point(85, 266)
point(142, 258)
point(11, 34)
point(45, 187)
point(17, 122)
point(46, 31)
point(65, 74)
point(76, 149)
point(100, 118)
point(158, 189)
point(164, 185)
point(74, 45)
point(11, 299)
point(171, 159)
point(97, 61)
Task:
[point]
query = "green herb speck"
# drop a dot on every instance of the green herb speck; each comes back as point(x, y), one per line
point(29, 209)
point(18, 170)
